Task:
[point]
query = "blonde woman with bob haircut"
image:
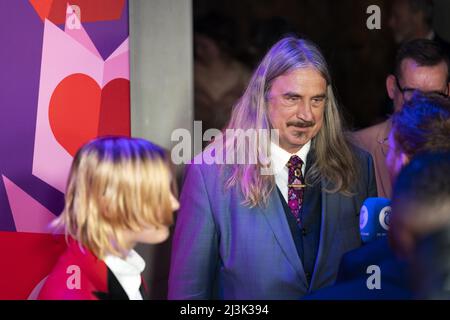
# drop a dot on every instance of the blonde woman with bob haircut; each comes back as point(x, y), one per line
point(118, 194)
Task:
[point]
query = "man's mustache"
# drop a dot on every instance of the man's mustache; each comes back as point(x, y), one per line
point(300, 124)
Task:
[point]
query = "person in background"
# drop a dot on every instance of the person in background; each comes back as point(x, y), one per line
point(413, 19)
point(243, 233)
point(420, 226)
point(422, 125)
point(118, 194)
point(219, 77)
point(421, 65)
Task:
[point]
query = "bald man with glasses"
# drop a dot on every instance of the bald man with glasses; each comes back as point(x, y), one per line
point(421, 66)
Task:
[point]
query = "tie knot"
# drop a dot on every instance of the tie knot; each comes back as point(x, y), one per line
point(295, 161)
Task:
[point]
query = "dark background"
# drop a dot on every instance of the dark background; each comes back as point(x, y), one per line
point(359, 58)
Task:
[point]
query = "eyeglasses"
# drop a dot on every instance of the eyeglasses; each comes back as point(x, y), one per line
point(408, 93)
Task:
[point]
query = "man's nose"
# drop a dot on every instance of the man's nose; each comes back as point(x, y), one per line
point(304, 111)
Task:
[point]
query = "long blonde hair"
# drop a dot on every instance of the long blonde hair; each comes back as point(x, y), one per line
point(115, 184)
point(334, 159)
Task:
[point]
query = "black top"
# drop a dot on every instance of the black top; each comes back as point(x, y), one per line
point(115, 290)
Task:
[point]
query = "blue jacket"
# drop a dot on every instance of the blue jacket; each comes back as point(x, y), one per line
point(351, 283)
point(225, 250)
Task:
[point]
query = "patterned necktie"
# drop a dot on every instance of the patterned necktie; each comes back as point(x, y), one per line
point(296, 185)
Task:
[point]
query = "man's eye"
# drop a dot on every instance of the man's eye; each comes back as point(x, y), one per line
point(318, 100)
point(291, 100)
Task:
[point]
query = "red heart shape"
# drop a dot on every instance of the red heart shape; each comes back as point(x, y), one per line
point(20, 251)
point(80, 110)
point(99, 10)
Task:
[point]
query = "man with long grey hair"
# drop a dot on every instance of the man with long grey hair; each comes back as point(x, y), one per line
point(242, 233)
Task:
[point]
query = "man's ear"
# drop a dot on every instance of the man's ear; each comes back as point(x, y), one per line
point(390, 86)
point(404, 158)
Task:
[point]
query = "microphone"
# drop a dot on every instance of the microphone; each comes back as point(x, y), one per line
point(374, 219)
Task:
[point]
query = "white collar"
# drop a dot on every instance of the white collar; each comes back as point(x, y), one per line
point(128, 272)
point(280, 157)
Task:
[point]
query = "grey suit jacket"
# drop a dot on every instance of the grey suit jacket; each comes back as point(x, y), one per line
point(225, 250)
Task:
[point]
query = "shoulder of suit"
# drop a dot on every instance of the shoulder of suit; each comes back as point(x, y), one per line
point(206, 164)
point(366, 138)
point(371, 132)
point(361, 153)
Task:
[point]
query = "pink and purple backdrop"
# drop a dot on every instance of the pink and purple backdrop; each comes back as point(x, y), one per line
point(64, 79)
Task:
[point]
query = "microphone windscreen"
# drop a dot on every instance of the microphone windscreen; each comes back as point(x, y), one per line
point(374, 219)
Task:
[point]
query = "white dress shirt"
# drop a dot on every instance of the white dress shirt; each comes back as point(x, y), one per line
point(280, 158)
point(128, 272)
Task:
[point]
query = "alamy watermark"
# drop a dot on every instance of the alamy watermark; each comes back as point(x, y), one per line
point(374, 280)
point(373, 22)
point(73, 281)
point(232, 146)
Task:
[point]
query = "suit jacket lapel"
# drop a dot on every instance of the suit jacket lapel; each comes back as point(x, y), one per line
point(327, 228)
point(276, 218)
